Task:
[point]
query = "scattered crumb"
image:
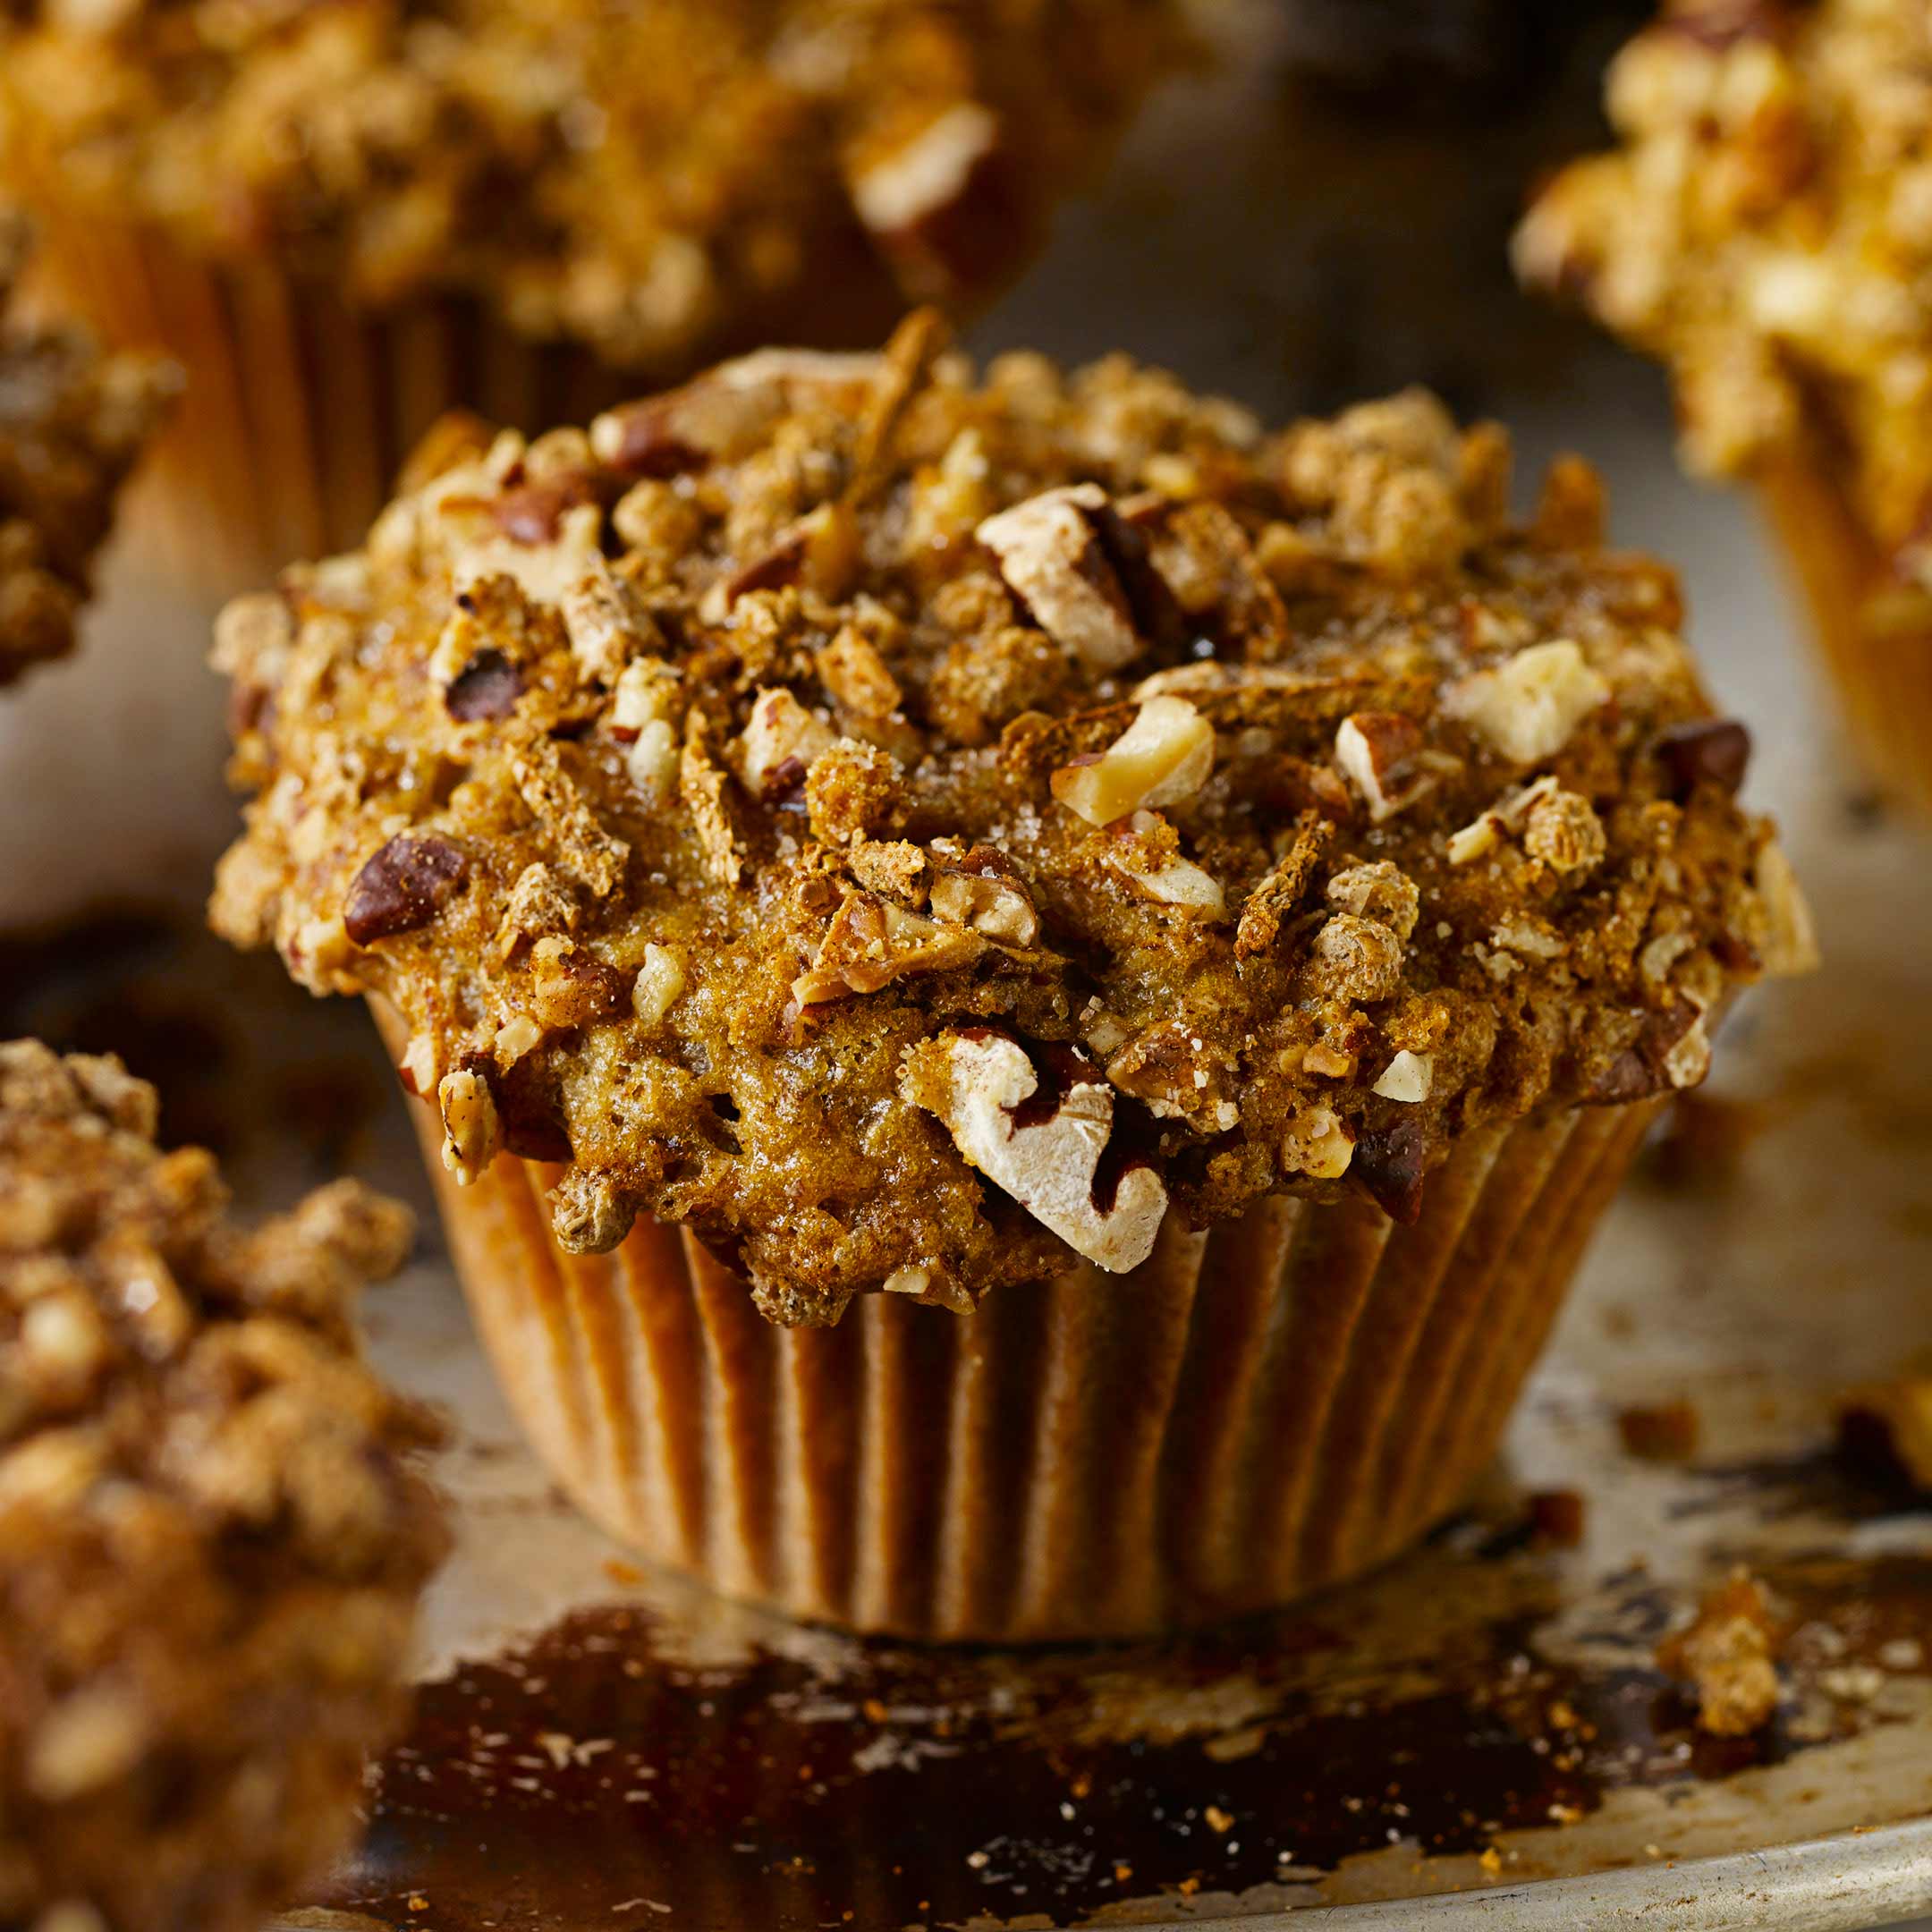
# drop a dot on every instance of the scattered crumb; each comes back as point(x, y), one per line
point(1220, 1820)
point(1557, 1518)
point(1728, 1655)
point(1663, 1432)
point(628, 1576)
point(1491, 1861)
point(1886, 1427)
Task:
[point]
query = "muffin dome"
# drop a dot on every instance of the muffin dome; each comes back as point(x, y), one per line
point(919, 830)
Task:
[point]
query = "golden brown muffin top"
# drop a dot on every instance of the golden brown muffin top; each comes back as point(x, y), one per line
point(1765, 227)
point(210, 1543)
point(71, 423)
point(918, 830)
point(646, 178)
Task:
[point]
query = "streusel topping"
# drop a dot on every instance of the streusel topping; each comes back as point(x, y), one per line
point(1766, 228)
point(71, 423)
point(919, 831)
point(646, 178)
point(210, 1543)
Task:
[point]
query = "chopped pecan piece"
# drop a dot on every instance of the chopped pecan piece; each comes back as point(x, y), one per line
point(1050, 551)
point(401, 886)
point(1046, 1149)
point(873, 941)
point(1377, 749)
point(1528, 707)
point(1163, 757)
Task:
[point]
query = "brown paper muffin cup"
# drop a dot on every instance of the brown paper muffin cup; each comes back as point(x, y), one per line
point(1874, 631)
point(300, 409)
point(1274, 1405)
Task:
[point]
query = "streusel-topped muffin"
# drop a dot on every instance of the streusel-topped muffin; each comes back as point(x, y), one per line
point(1766, 229)
point(347, 218)
point(211, 1542)
point(72, 424)
point(940, 836)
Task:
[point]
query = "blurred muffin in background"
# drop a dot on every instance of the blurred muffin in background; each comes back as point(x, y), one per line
point(72, 424)
point(211, 1541)
point(1765, 229)
point(346, 219)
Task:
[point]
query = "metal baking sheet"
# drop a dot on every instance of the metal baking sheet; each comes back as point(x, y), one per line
point(1475, 1736)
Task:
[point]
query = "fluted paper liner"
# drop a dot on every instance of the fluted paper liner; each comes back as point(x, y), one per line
point(1275, 1404)
point(1874, 631)
point(299, 409)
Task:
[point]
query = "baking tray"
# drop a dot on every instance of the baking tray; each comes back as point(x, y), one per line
point(1476, 1735)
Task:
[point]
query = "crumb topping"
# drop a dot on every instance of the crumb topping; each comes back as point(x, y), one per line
point(210, 1547)
point(71, 423)
point(1765, 227)
point(649, 179)
point(754, 801)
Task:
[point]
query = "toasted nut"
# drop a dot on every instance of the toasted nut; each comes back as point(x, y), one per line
point(515, 1038)
point(1481, 836)
point(780, 741)
point(1148, 857)
point(988, 904)
point(660, 984)
point(402, 887)
point(606, 623)
point(871, 942)
point(1318, 1144)
point(1528, 707)
point(1326, 1064)
point(1409, 1076)
point(895, 867)
point(652, 762)
point(471, 1130)
point(913, 186)
point(1050, 1166)
point(1163, 757)
point(1050, 553)
point(1377, 749)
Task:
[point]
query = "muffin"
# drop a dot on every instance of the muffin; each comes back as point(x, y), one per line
point(1025, 994)
point(72, 424)
point(347, 219)
point(1766, 229)
point(211, 1543)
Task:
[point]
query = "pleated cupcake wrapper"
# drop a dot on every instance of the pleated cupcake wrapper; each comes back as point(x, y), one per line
point(1877, 646)
point(299, 409)
point(1273, 1405)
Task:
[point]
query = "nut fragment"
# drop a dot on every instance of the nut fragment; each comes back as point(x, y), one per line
point(1711, 751)
point(872, 941)
point(1409, 1077)
point(402, 885)
point(1528, 707)
point(1050, 552)
point(986, 1092)
point(987, 901)
point(1728, 1655)
point(1318, 1144)
point(1377, 749)
point(471, 1129)
point(1163, 757)
point(660, 984)
point(1148, 857)
point(915, 185)
point(779, 743)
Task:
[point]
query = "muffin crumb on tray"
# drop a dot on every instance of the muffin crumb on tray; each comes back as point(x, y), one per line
point(72, 424)
point(919, 831)
point(211, 1542)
